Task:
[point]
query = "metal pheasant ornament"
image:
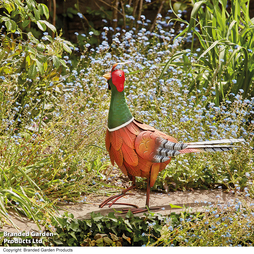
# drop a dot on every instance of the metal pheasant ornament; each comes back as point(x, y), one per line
point(139, 149)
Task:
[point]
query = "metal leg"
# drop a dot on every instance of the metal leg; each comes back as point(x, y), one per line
point(116, 197)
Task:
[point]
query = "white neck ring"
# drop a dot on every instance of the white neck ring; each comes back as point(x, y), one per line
point(121, 126)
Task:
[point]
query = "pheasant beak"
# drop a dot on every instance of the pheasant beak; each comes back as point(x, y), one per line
point(107, 75)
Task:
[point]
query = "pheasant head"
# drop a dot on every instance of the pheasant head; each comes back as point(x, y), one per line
point(119, 113)
point(116, 76)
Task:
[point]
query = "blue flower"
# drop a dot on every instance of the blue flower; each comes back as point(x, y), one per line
point(80, 15)
point(247, 174)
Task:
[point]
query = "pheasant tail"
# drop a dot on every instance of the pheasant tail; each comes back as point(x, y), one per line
point(211, 146)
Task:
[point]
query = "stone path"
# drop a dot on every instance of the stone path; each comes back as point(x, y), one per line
point(192, 200)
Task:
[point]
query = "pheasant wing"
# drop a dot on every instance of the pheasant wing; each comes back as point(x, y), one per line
point(152, 147)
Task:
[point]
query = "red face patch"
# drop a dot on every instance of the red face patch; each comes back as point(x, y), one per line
point(118, 79)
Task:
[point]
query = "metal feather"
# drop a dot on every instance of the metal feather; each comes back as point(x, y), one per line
point(171, 145)
point(166, 152)
point(216, 142)
point(159, 159)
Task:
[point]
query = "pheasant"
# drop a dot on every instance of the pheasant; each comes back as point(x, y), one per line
point(139, 149)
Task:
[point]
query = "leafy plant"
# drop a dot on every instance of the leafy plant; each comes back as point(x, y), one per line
point(226, 39)
point(109, 230)
point(20, 15)
point(37, 63)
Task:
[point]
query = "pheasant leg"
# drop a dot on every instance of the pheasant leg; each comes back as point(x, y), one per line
point(141, 210)
point(116, 197)
point(133, 210)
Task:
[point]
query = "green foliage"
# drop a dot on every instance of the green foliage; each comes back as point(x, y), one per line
point(226, 38)
point(181, 5)
point(20, 15)
point(70, 12)
point(32, 75)
point(58, 165)
point(109, 230)
point(40, 150)
point(32, 67)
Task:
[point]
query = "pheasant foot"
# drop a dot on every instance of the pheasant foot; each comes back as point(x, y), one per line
point(116, 197)
point(140, 210)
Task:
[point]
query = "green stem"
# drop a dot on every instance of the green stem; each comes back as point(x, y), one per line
point(43, 106)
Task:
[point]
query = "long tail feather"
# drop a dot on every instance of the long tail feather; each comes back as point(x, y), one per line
point(216, 142)
point(169, 149)
point(211, 146)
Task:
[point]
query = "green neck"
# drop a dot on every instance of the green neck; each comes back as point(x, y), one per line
point(119, 112)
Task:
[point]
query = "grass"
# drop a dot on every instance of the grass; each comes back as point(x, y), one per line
point(52, 133)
